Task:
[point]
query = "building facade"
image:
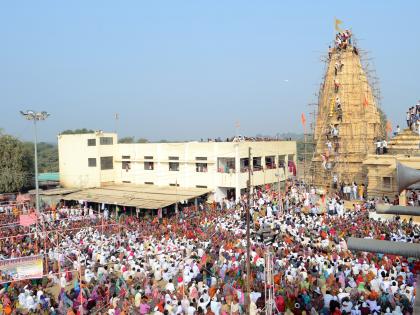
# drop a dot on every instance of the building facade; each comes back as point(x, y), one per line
point(97, 159)
point(381, 169)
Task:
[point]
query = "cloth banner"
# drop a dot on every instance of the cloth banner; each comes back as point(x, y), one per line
point(29, 267)
point(27, 219)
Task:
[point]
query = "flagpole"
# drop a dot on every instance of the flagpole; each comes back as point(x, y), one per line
point(304, 154)
point(116, 122)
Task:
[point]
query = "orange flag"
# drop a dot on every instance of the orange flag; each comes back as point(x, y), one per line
point(365, 102)
point(303, 119)
point(388, 126)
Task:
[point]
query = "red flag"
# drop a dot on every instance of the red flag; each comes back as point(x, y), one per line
point(365, 102)
point(303, 119)
point(27, 219)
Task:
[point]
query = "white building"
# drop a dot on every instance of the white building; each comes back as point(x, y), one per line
point(97, 159)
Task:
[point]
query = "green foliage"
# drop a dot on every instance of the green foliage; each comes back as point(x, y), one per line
point(142, 140)
point(126, 140)
point(15, 165)
point(384, 120)
point(76, 131)
point(47, 157)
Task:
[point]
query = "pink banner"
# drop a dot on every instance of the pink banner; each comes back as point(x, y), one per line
point(27, 219)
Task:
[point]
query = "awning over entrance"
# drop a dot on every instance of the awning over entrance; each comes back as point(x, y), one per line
point(140, 196)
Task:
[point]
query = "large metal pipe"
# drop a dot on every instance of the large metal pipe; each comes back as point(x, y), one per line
point(398, 210)
point(416, 306)
point(384, 247)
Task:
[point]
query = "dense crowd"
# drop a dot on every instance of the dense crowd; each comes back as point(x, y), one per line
point(413, 117)
point(194, 262)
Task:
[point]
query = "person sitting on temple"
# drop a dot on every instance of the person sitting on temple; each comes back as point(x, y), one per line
point(384, 147)
point(339, 113)
point(355, 51)
point(336, 68)
point(330, 51)
point(336, 85)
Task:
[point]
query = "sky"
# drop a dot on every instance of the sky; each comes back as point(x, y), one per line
point(185, 70)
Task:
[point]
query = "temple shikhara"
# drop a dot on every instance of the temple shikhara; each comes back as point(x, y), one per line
point(348, 122)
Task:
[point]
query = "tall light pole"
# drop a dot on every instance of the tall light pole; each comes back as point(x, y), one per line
point(35, 116)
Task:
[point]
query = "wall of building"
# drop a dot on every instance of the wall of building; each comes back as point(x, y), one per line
point(131, 161)
point(73, 154)
point(382, 175)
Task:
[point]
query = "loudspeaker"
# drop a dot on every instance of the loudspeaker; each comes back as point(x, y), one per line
point(406, 176)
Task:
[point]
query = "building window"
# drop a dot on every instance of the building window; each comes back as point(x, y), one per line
point(148, 183)
point(148, 157)
point(291, 157)
point(201, 167)
point(92, 162)
point(386, 182)
point(126, 165)
point(226, 165)
point(270, 162)
point(91, 142)
point(201, 158)
point(107, 163)
point(106, 140)
point(125, 157)
point(173, 166)
point(174, 158)
point(149, 166)
point(282, 161)
point(200, 186)
point(244, 165)
point(175, 185)
point(256, 162)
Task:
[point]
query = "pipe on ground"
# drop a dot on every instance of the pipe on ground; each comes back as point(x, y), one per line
point(384, 247)
point(398, 210)
point(416, 306)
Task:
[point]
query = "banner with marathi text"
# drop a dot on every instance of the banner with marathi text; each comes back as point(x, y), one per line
point(28, 267)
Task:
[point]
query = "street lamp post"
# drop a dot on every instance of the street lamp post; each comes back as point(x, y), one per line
point(35, 116)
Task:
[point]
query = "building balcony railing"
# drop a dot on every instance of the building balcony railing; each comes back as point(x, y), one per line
point(226, 170)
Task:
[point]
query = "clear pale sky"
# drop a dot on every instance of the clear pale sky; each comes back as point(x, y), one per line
point(181, 70)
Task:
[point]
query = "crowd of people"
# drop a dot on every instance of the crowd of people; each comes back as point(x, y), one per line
point(194, 262)
point(413, 117)
point(343, 40)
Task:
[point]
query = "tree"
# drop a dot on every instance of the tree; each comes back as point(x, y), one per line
point(126, 140)
point(142, 140)
point(384, 121)
point(47, 157)
point(16, 165)
point(76, 131)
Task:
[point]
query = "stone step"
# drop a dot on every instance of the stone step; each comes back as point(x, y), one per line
point(404, 143)
point(401, 148)
point(409, 136)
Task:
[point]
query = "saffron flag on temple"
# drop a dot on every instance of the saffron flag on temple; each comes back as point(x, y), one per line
point(337, 25)
point(27, 219)
point(303, 119)
point(388, 126)
point(365, 102)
